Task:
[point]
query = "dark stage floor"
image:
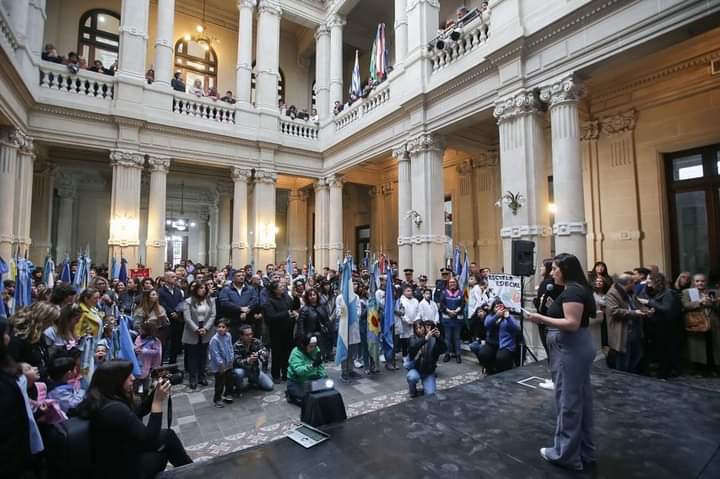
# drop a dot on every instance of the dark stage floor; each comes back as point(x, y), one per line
point(493, 428)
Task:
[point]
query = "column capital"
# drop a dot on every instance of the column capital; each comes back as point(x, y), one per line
point(335, 181)
point(566, 90)
point(522, 103)
point(336, 21)
point(400, 153)
point(619, 123)
point(271, 7)
point(321, 30)
point(246, 4)
point(224, 189)
point(297, 195)
point(127, 158)
point(160, 164)
point(487, 159)
point(425, 142)
point(465, 167)
point(45, 168)
point(590, 130)
point(240, 174)
point(12, 137)
point(65, 186)
point(265, 176)
point(320, 184)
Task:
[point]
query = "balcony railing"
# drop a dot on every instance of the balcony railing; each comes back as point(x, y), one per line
point(6, 30)
point(55, 76)
point(379, 96)
point(204, 108)
point(299, 128)
point(457, 42)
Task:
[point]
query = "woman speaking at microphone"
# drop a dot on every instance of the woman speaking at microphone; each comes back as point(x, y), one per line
point(571, 357)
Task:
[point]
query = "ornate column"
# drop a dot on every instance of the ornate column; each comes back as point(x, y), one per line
point(401, 31)
point(336, 24)
point(65, 222)
point(267, 55)
point(570, 227)
point(322, 214)
point(225, 193)
point(10, 142)
point(124, 238)
point(40, 225)
point(322, 72)
point(427, 214)
point(155, 244)
point(240, 216)
point(335, 229)
point(243, 69)
point(405, 254)
point(522, 171)
point(297, 225)
point(264, 217)
point(164, 42)
point(23, 195)
point(133, 38)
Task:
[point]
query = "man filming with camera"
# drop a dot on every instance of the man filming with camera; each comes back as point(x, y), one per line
point(424, 349)
point(250, 359)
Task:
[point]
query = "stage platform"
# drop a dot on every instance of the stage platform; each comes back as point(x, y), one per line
point(493, 428)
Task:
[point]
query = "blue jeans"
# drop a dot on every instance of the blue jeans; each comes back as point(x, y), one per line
point(629, 361)
point(428, 382)
point(452, 328)
point(263, 381)
point(196, 355)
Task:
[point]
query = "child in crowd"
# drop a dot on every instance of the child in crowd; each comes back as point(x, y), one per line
point(65, 373)
point(45, 410)
point(221, 362)
point(148, 349)
point(101, 352)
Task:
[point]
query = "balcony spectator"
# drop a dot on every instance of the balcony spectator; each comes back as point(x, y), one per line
point(283, 107)
point(50, 54)
point(213, 94)
point(228, 97)
point(73, 62)
point(314, 117)
point(83, 63)
point(150, 75)
point(338, 107)
point(197, 88)
point(99, 68)
point(292, 112)
point(304, 115)
point(177, 83)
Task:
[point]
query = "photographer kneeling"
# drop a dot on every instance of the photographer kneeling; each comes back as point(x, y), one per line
point(305, 365)
point(496, 353)
point(424, 351)
point(122, 446)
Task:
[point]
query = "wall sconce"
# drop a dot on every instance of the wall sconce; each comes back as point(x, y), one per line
point(514, 201)
point(415, 217)
point(552, 208)
point(124, 230)
point(267, 232)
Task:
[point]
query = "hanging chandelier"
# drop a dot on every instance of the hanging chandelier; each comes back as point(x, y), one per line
point(204, 38)
point(182, 223)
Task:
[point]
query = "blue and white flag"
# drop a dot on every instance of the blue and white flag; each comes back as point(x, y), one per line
point(457, 265)
point(356, 84)
point(127, 347)
point(310, 268)
point(389, 316)
point(3, 271)
point(82, 277)
point(348, 313)
point(49, 273)
point(123, 273)
point(65, 276)
point(114, 268)
point(23, 283)
point(289, 270)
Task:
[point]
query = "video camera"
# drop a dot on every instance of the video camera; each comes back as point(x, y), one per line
point(171, 372)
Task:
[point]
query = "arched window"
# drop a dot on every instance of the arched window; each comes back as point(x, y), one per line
point(281, 85)
point(196, 60)
point(99, 36)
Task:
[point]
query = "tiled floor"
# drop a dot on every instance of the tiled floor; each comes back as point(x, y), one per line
point(257, 416)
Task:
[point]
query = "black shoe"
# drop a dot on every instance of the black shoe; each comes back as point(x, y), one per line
point(458, 359)
point(446, 358)
point(193, 386)
point(355, 375)
point(203, 382)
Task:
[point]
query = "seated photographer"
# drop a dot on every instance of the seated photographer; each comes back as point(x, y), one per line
point(496, 353)
point(250, 358)
point(122, 446)
point(65, 375)
point(424, 350)
point(305, 365)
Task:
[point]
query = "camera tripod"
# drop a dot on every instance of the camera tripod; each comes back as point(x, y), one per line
point(523, 345)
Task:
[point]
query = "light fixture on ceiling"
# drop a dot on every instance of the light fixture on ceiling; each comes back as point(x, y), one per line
point(182, 223)
point(202, 37)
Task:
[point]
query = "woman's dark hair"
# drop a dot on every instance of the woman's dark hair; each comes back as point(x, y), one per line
point(600, 263)
point(547, 268)
point(61, 292)
point(307, 338)
point(106, 385)
point(659, 283)
point(7, 363)
point(64, 326)
point(307, 293)
point(571, 269)
point(60, 366)
point(274, 285)
point(145, 304)
point(194, 287)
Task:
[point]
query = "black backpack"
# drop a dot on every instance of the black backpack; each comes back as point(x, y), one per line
point(67, 445)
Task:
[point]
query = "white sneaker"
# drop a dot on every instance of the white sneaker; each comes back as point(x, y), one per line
point(547, 384)
point(358, 364)
point(382, 358)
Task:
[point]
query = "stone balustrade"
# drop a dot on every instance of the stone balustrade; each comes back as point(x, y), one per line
point(55, 76)
point(379, 96)
point(469, 35)
point(299, 128)
point(6, 31)
point(203, 108)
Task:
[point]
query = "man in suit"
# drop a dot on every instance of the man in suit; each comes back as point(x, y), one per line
point(172, 299)
point(236, 302)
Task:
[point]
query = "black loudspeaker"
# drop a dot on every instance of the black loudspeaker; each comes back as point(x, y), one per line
point(523, 258)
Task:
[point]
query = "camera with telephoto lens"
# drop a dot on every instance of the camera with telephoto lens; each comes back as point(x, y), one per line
point(171, 372)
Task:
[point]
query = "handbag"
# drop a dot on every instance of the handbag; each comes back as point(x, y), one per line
point(696, 322)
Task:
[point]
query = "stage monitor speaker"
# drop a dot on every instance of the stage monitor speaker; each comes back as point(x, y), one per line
point(523, 258)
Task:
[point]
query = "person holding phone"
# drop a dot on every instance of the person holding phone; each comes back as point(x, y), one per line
point(497, 351)
point(425, 348)
point(121, 445)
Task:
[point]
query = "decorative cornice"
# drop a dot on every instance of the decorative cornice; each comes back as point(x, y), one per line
point(127, 158)
point(525, 231)
point(566, 90)
point(45, 168)
point(71, 113)
point(570, 228)
point(240, 174)
point(590, 130)
point(423, 239)
point(425, 142)
point(619, 123)
point(523, 103)
point(135, 32)
point(271, 7)
point(265, 176)
point(246, 4)
point(159, 164)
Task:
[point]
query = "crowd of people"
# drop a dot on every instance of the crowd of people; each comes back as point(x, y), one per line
point(75, 62)
point(279, 326)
